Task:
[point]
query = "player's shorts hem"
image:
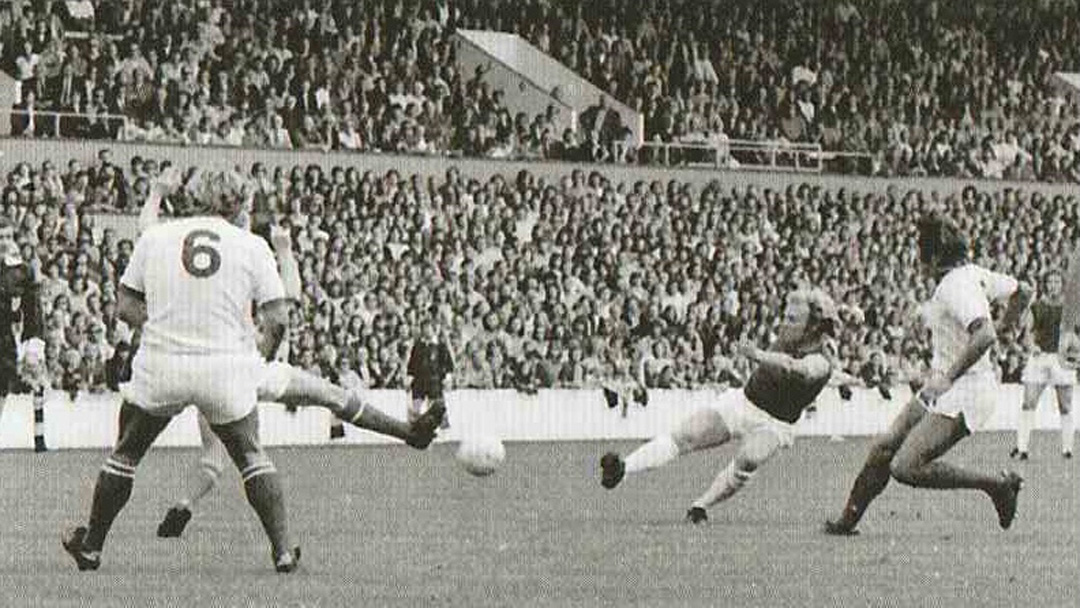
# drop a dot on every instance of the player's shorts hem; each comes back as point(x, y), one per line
point(971, 398)
point(743, 418)
point(1046, 369)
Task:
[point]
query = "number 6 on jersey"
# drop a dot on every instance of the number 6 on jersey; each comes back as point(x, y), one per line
point(200, 260)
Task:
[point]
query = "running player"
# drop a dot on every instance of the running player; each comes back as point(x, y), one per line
point(189, 287)
point(787, 379)
point(282, 383)
point(957, 399)
point(1044, 369)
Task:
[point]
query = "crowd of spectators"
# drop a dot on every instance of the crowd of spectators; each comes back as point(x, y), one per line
point(918, 88)
point(567, 282)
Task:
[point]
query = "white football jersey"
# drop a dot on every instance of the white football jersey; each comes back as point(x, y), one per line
point(962, 296)
point(200, 277)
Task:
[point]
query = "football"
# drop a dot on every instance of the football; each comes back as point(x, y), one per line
point(481, 456)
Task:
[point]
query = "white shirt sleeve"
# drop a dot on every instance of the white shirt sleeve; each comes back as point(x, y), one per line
point(268, 283)
point(135, 273)
point(997, 286)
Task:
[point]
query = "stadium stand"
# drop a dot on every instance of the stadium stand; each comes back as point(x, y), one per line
point(542, 274)
point(916, 88)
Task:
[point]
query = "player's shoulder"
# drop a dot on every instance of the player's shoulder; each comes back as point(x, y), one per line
point(967, 277)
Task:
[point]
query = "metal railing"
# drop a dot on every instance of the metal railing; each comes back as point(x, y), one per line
point(50, 123)
point(729, 154)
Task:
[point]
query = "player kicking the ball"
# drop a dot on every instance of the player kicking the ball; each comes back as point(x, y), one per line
point(958, 397)
point(282, 383)
point(788, 378)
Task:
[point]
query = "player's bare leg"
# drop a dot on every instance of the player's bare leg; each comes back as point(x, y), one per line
point(1068, 426)
point(916, 464)
point(875, 472)
point(754, 452)
point(307, 389)
point(138, 430)
point(201, 481)
point(701, 430)
point(1026, 421)
point(261, 485)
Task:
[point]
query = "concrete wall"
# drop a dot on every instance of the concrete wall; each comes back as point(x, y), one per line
point(523, 93)
point(551, 415)
point(521, 57)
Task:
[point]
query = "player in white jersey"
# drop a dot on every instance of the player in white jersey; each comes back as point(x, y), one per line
point(189, 287)
point(282, 382)
point(957, 398)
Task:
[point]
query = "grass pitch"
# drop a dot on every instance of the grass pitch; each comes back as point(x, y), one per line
point(387, 526)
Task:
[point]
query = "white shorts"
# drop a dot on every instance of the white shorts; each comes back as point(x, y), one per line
point(1046, 369)
point(972, 395)
point(743, 418)
point(223, 387)
point(275, 381)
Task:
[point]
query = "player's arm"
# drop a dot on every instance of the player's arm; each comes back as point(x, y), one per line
point(130, 297)
point(131, 308)
point(273, 320)
point(281, 241)
point(981, 336)
point(160, 187)
point(1018, 302)
point(810, 367)
point(841, 378)
point(269, 295)
point(413, 365)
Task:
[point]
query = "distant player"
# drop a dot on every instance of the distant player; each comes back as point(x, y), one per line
point(189, 288)
point(1044, 368)
point(282, 383)
point(788, 378)
point(958, 397)
point(22, 361)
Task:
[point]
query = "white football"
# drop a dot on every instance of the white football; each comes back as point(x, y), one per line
point(480, 456)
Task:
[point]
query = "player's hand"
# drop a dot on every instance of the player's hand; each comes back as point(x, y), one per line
point(935, 387)
point(32, 352)
point(747, 349)
point(1069, 349)
point(167, 181)
point(280, 238)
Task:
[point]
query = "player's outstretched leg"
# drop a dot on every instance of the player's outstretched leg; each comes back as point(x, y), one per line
point(701, 430)
point(875, 472)
point(756, 450)
point(261, 485)
point(916, 464)
point(201, 481)
point(295, 386)
point(138, 430)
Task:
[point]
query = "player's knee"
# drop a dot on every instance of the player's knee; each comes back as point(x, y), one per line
point(212, 467)
point(881, 454)
point(904, 468)
point(255, 464)
point(747, 465)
